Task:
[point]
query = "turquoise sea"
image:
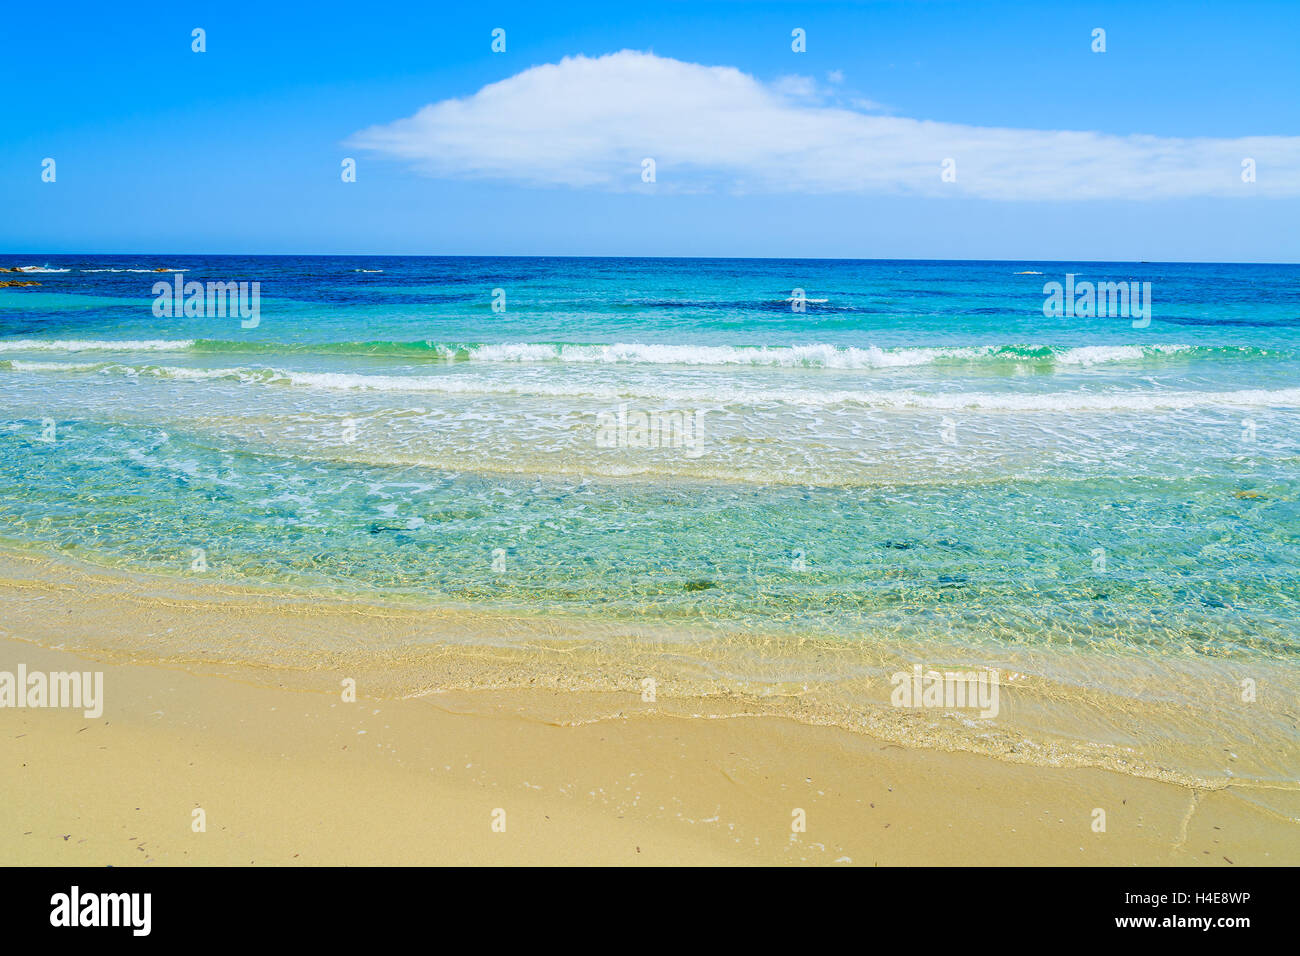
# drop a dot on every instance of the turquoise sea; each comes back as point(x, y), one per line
point(916, 457)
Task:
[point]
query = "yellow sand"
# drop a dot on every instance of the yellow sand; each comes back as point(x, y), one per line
point(287, 772)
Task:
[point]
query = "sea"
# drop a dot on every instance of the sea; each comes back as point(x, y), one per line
point(862, 465)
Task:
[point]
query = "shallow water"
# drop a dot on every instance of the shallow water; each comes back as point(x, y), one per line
point(922, 460)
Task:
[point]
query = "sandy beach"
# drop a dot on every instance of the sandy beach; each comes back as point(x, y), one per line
point(287, 772)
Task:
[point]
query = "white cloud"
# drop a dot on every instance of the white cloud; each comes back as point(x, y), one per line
point(588, 122)
point(796, 87)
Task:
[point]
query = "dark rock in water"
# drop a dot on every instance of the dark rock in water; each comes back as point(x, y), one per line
point(700, 585)
point(896, 545)
point(953, 579)
point(376, 527)
point(1212, 602)
point(1101, 597)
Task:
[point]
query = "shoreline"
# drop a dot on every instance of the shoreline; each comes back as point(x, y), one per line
point(283, 766)
point(1171, 719)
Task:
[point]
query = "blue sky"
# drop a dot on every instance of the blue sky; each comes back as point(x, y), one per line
point(238, 149)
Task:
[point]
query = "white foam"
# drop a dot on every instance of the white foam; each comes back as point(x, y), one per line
point(1068, 401)
point(95, 345)
point(1097, 354)
point(814, 355)
point(18, 366)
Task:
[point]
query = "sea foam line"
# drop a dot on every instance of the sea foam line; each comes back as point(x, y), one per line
point(816, 355)
point(1126, 399)
point(96, 345)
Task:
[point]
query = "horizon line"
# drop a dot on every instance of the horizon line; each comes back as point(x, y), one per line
point(429, 255)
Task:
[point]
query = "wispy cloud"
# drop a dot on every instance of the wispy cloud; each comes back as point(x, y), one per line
point(588, 122)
